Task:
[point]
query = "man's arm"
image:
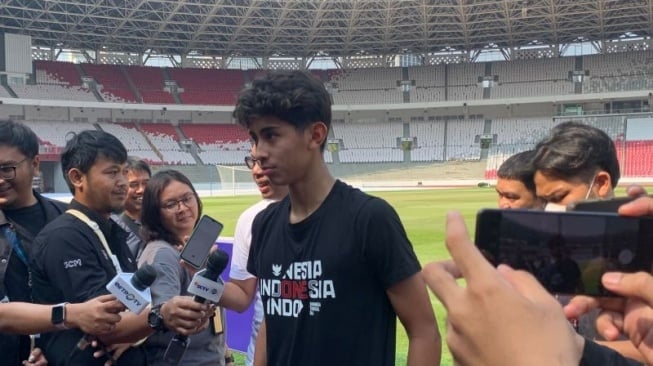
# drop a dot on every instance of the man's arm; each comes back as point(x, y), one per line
point(261, 351)
point(411, 303)
point(95, 316)
point(238, 294)
point(181, 314)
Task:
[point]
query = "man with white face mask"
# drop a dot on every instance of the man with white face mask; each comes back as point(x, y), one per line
point(575, 162)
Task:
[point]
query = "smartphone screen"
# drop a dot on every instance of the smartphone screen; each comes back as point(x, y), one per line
point(196, 250)
point(567, 252)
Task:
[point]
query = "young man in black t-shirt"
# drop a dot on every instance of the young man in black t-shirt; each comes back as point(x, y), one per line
point(333, 264)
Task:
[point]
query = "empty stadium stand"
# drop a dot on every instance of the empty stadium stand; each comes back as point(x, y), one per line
point(111, 82)
point(201, 86)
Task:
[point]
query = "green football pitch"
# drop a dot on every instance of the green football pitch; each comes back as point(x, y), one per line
point(423, 215)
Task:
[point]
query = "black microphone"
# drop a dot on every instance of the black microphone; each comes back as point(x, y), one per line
point(144, 277)
point(215, 265)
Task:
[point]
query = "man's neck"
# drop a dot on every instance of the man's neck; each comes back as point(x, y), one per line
point(82, 201)
point(27, 202)
point(307, 196)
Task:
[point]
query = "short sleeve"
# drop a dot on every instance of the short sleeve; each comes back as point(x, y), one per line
point(242, 243)
point(385, 245)
point(165, 259)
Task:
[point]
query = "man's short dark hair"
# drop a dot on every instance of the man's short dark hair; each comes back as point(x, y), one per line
point(296, 97)
point(136, 164)
point(18, 135)
point(84, 148)
point(519, 167)
point(577, 151)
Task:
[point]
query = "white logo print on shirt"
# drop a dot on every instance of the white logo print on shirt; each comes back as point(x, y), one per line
point(300, 283)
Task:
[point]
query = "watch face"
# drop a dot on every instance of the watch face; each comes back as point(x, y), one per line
point(58, 314)
point(153, 319)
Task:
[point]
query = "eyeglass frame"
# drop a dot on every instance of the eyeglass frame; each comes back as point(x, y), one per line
point(12, 167)
point(175, 204)
point(251, 161)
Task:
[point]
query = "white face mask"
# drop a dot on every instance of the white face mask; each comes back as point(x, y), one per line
point(556, 207)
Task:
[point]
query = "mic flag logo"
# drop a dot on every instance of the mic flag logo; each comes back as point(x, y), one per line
point(287, 294)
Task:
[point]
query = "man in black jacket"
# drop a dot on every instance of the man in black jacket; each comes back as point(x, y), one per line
point(24, 213)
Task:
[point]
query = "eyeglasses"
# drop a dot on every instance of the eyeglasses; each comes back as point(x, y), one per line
point(8, 172)
point(189, 200)
point(250, 161)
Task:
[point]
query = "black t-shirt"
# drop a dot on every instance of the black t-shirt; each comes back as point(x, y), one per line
point(323, 281)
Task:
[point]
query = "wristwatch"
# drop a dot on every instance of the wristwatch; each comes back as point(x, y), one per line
point(155, 320)
point(58, 316)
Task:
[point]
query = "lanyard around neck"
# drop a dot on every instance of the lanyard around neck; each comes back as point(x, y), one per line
point(96, 228)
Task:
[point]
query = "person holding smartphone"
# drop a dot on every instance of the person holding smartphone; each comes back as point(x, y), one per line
point(171, 210)
point(503, 316)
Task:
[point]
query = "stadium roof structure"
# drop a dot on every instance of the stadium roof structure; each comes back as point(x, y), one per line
point(308, 28)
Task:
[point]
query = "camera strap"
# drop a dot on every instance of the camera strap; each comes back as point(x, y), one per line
point(96, 228)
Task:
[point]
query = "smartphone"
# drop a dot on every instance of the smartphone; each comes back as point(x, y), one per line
point(176, 349)
point(567, 252)
point(197, 249)
point(609, 205)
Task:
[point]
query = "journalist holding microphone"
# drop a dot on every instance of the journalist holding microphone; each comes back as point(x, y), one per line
point(80, 252)
point(171, 209)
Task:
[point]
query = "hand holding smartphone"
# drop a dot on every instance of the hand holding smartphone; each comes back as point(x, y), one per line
point(567, 252)
point(197, 249)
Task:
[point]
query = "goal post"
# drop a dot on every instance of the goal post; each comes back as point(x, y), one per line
point(235, 179)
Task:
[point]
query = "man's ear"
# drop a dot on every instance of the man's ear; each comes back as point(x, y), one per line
point(603, 184)
point(76, 178)
point(36, 162)
point(318, 134)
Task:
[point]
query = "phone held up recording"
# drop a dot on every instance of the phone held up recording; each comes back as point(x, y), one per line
point(567, 252)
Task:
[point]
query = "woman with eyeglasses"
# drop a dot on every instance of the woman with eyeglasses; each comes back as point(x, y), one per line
point(171, 209)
